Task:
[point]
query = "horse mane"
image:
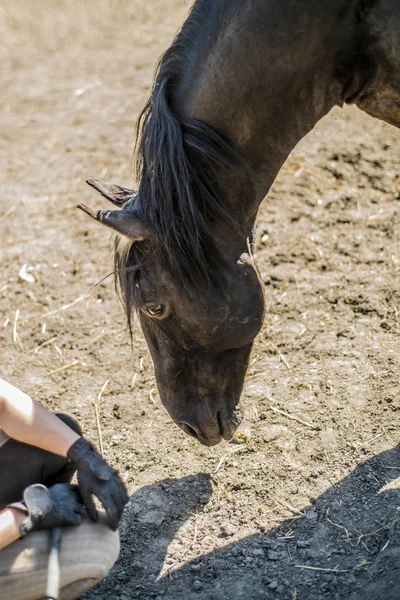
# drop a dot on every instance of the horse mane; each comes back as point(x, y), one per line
point(180, 165)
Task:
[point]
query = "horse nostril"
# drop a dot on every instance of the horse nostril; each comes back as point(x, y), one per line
point(227, 426)
point(188, 429)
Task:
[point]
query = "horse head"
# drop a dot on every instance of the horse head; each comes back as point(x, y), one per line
point(200, 336)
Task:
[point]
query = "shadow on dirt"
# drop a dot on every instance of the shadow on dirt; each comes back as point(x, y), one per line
point(349, 539)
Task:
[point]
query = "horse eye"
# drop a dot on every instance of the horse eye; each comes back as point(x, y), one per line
point(155, 311)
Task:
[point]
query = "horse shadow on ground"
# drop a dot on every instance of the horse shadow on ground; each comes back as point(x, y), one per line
point(345, 547)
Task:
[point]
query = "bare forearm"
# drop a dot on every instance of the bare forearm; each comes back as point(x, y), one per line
point(10, 524)
point(27, 421)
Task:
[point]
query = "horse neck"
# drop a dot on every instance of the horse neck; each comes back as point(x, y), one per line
point(267, 77)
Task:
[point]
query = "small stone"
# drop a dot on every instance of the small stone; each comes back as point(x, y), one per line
point(219, 564)
point(315, 554)
point(258, 552)
point(197, 585)
point(273, 585)
point(153, 517)
point(273, 555)
point(311, 515)
point(227, 530)
point(218, 595)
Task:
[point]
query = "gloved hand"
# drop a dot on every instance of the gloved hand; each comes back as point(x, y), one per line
point(95, 476)
point(54, 507)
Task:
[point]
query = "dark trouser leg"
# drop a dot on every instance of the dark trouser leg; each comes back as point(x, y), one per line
point(21, 465)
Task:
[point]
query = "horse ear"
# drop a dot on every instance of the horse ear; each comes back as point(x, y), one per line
point(122, 221)
point(115, 193)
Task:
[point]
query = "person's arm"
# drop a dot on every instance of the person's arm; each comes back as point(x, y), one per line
point(10, 526)
point(23, 419)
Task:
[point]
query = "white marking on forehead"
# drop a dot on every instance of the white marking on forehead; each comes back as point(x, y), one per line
point(246, 259)
point(250, 250)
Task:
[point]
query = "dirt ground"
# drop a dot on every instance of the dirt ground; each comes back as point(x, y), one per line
point(307, 507)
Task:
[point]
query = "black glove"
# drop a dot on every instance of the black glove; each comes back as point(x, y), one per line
point(95, 476)
point(54, 507)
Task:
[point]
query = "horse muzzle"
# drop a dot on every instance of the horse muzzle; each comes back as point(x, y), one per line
point(210, 430)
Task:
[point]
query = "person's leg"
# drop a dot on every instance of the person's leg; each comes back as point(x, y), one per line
point(22, 465)
point(87, 554)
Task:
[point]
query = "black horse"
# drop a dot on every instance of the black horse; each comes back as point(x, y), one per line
point(241, 84)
